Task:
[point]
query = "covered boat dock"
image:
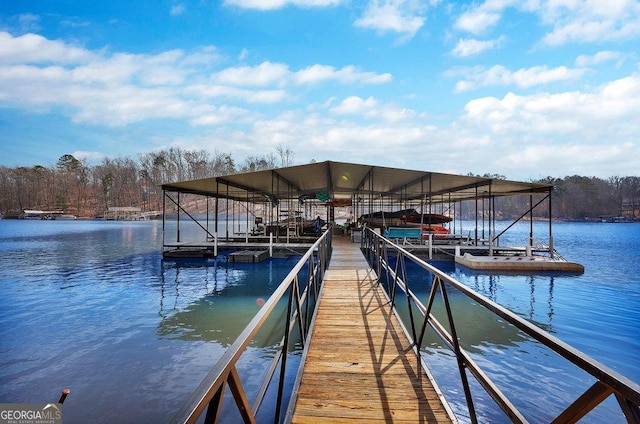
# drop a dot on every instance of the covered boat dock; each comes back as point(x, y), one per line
point(340, 301)
point(285, 209)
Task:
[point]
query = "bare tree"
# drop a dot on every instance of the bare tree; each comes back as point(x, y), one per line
point(286, 155)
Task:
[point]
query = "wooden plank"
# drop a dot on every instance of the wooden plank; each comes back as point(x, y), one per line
point(360, 367)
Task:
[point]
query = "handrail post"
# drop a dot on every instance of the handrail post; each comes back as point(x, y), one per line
point(283, 363)
point(458, 352)
point(213, 409)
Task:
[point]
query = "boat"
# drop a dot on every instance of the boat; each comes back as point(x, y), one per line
point(437, 231)
point(403, 217)
point(297, 224)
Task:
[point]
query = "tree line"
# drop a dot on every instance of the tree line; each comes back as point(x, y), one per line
point(575, 198)
point(76, 187)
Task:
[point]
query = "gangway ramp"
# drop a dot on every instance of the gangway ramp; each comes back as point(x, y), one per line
point(359, 365)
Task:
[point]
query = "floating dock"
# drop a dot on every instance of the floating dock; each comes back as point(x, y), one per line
point(518, 263)
point(210, 249)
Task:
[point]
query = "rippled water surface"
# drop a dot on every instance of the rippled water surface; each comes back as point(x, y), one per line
point(91, 305)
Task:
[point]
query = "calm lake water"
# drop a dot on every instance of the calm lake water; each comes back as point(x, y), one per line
point(91, 306)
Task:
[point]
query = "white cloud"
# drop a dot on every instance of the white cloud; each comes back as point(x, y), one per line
point(235, 93)
point(498, 75)
point(177, 9)
point(122, 88)
point(244, 54)
point(342, 139)
point(600, 57)
point(563, 133)
point(522, 137)
point(400, 16)
point(371, 109)
point(219, 115)
point(33, 48)
point(470, 47)
point(88, 156)
point(477, 21)
point(355, 105)
point(266, 73)
point(346, 75)
point(518, 136)
point(571, 21)
point(582, 21)
point(29, 22)
point(279, 4)
point(481, 18)
point(278, 74)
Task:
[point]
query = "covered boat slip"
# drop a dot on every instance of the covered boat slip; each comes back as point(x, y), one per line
point(277, 207)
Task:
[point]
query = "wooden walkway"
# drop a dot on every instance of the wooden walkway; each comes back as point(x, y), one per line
point(360, 366)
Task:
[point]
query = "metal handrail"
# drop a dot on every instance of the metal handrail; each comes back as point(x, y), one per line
point(209, 393)
point(544, 246)
point(608, 382)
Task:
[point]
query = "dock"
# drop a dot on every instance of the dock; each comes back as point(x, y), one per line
point(210, 248)
point(359, 365)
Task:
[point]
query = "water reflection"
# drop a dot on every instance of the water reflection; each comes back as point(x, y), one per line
point(529, 373)
point(476, 326)
point(213, 300)
point(510, 289)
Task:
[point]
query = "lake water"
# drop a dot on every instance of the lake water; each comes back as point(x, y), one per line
point(91, 306)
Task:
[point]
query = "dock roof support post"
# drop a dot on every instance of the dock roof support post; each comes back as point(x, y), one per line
point(476, 231)
point(164, 202)
point(490, 221)
point(483, 235)
point(430, 199)
point(216, 206)
point(421, 204)
point(178, 223)
point(493, 226)
point(278, 208)
point(454, 212)
point(531, 220)
point(246, 228)
point(551, 250)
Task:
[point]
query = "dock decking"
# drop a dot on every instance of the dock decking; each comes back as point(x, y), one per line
point(360, 366)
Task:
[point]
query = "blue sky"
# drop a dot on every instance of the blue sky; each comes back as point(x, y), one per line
point(525, 89)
